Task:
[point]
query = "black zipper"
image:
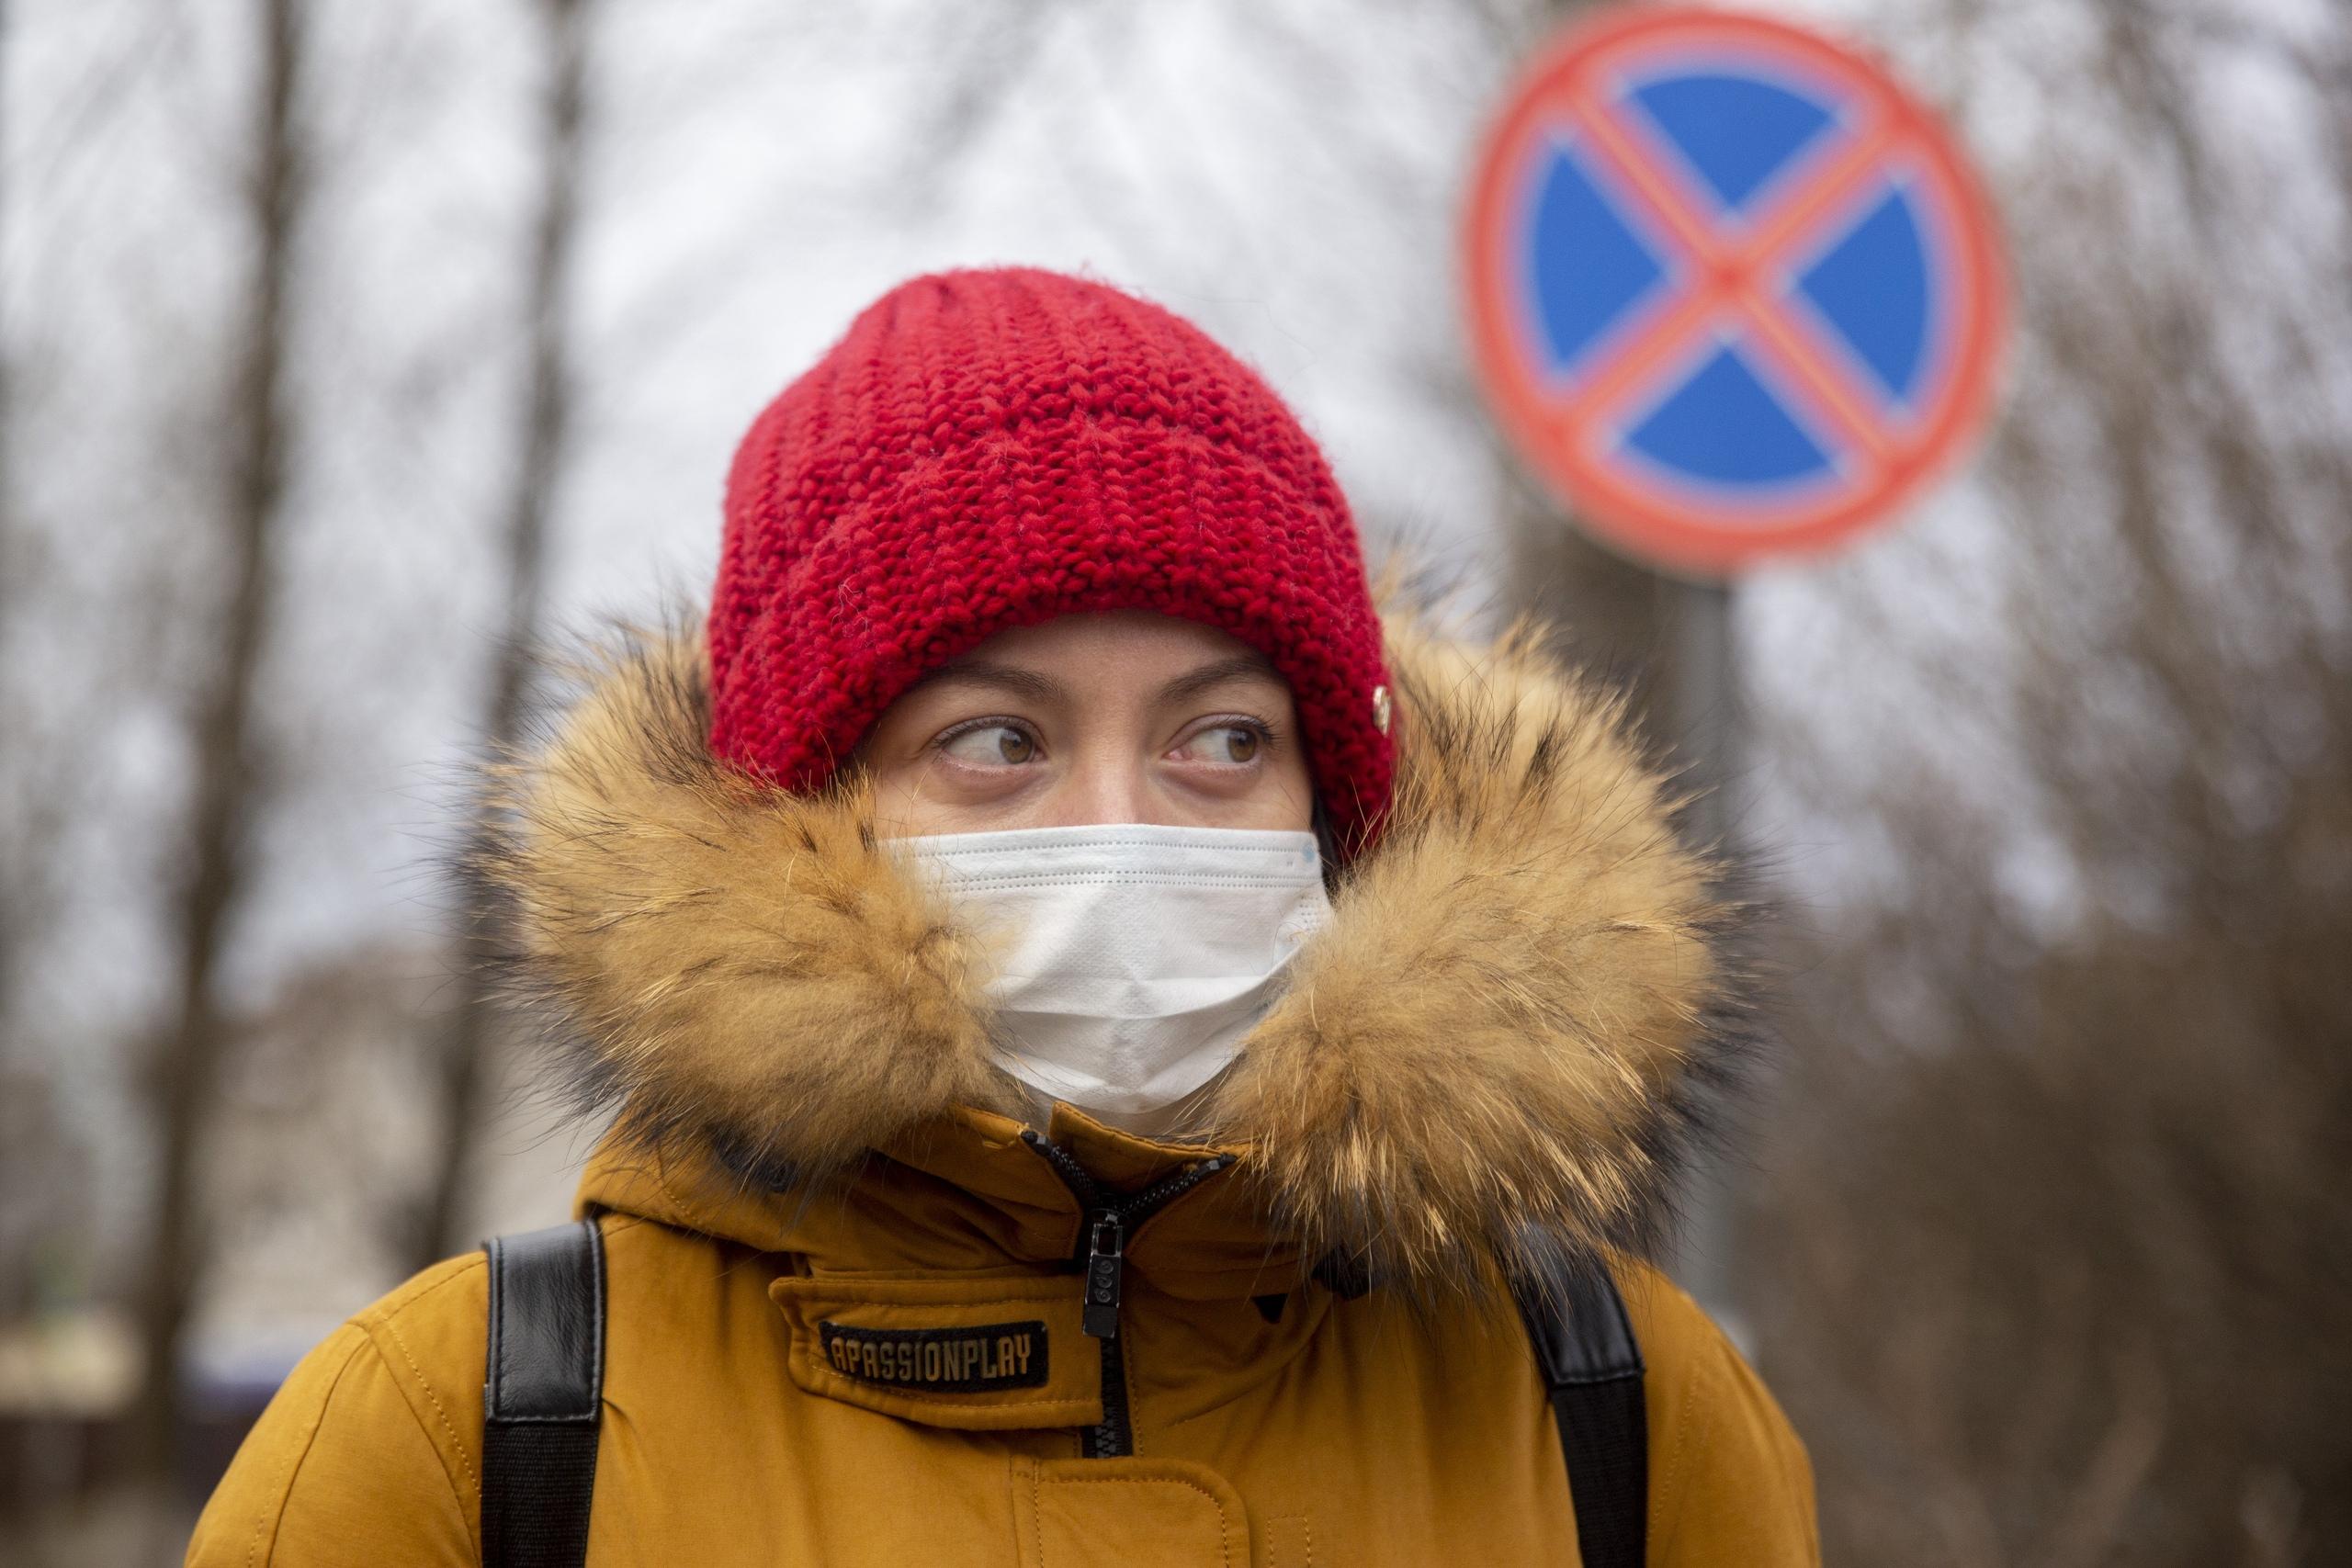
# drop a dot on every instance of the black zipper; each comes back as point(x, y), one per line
point(1102, 1243)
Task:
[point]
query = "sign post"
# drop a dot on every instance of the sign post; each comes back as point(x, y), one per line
point(1736, 296)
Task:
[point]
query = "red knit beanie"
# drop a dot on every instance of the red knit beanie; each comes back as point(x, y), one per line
point(991, 448)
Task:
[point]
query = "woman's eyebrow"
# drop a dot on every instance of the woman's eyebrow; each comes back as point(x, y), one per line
point(1240, 667)
point(1008, 678)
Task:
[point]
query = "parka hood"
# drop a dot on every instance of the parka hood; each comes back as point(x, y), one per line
point(1499, 1049)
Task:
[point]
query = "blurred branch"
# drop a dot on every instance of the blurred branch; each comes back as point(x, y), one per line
point(15, 569)
point(224, 737)
point(546, 422)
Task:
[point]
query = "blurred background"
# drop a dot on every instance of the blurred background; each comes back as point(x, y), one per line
point(348, 350)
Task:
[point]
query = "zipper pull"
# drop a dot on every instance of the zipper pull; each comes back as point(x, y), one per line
point(1105, 1263)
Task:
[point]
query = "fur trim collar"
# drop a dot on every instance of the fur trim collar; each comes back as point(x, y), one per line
point(1497, 1051)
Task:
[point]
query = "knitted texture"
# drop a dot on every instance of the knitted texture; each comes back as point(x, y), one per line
point(991, 448)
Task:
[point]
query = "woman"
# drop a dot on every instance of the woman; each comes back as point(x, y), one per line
point(1100, 1026)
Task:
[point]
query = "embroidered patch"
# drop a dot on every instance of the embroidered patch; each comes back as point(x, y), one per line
point(972, 1359)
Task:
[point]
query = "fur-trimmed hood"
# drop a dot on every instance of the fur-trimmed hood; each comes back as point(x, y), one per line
point(1500, 1045)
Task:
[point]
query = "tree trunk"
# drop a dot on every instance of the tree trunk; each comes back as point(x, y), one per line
point(187, 1066)
point(468, 1036)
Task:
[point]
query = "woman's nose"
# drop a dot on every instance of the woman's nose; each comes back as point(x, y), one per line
point(1102, 789)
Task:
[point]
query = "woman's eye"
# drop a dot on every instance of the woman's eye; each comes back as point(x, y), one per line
point(1231, 743)
point(992, 746)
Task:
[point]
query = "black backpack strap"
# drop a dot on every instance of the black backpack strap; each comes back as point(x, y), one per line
point(543, 1392)
point(1584, 1344)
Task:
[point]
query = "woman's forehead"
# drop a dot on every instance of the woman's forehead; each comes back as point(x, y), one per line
point(1139, 655)
point(1128, 633)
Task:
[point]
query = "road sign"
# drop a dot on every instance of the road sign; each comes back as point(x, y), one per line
point(1733, 291)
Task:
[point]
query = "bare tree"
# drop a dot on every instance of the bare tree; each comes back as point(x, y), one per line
point(224, 731)
point(2053, 1260)
point(22, 881)
point(546, 415)
point(15, 567)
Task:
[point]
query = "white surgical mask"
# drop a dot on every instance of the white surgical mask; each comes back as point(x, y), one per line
point(1129, 960)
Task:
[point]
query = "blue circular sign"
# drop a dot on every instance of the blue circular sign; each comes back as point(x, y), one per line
point(1732, 289)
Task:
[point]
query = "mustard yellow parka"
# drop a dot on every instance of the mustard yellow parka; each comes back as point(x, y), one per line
point(1492, 1055)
